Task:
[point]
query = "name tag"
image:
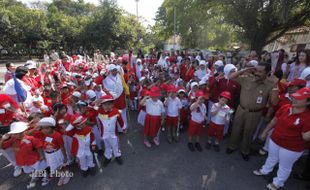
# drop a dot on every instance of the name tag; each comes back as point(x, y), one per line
point(26, 141)
point(2, 111)
point(259, 100)
point(48, 139)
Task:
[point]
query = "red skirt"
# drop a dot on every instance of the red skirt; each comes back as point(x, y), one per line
point(151, 125)
point(194, 129)
point(120, 102)
point(216, 131)
point(172, 121)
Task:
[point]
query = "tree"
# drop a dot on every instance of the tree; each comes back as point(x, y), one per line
point(263, 21)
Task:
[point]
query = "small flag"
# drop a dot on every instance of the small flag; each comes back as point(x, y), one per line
point(20, 91)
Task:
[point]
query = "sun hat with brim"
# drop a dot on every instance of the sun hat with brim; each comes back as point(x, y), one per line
point(154, 94)
point(200, 93)
point(226, 95)
point(302, 94)
point(18, 127)
point(106, 98)
point(47, 122)
point(298, 82)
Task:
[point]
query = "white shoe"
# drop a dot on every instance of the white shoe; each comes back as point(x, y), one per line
point(17, 171)
point(61, 181)
point(32, 183)
point(45, 181)
point(66, 180)
point(272, 186)
point(258, 173)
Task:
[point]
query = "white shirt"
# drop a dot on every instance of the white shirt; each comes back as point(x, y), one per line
point(114, 85)
point(222, 115)
point(154, 108)
point(199, 117)
point(173, 107)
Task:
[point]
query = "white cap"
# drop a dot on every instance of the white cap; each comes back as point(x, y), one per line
point(18, 127)
point(90, 94)
point(37, 99)
point(141, 79)
point(194, 84)
point(111, 67)
point(202, 62)
point(202, 82)
point(47, 122)
point(31, 64)
point(219, 63)
point(76, 94)
point(139, 60)
point(181, 90)
point(253, 63)
point(88, 82)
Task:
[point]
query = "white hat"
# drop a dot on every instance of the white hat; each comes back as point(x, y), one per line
point(31, 64)
point(139, 60)
point(194, 84)
point(219, 63)
point(111, 67)
point(95, 75)
point(90, 94)
point(47, 122)
point(253, 63)
point(202, 82)
point(18, 127)
point(88, 82)
point(181, 90)
point(37, 99)
point(76, 94)
point(202, 62)
point(141, 79)
point(228, 68)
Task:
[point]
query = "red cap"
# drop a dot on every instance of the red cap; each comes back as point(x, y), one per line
point(106, 98)
point(154, 94)
point(200, 93)
point(155, 89)
point(171, 88)
point(298, 82)
point(78, 119)
point(302, 94)
point(144, 92)
point(226, 94)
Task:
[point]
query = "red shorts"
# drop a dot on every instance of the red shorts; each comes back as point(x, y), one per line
point(194, 129)
point(172, 121)
point(216, 131)
point(151, 125)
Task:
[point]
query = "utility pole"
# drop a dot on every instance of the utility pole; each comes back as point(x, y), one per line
point(137, 9)
point(174, 26)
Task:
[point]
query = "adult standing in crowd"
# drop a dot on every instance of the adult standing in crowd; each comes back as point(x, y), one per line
point(256, 92)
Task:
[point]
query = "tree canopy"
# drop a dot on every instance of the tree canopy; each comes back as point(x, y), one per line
point(218, 23)
point(68, 24)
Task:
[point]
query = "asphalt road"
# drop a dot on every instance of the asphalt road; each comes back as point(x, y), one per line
point(167, 167)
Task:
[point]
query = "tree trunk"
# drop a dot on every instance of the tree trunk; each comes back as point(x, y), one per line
point(258, 44)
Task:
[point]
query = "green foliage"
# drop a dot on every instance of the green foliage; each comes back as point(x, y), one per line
point(68, 24)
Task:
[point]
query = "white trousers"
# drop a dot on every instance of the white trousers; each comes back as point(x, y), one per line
point(67, 146)
point(98, 138)
point(286, 160)
point(86, 162)
point(111, 146)
point(267, 141)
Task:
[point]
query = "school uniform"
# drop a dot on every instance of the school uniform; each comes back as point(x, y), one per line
point(107, 121)
point(152, 122)
point(196, 122)
point(83, 140)
point(173, 109)
point(26, 154)
point(216, 127)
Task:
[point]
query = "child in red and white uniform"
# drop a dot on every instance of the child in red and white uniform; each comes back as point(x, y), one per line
point(27, 149)
point(107, 119)
point(154, 117)
point(174, 106)
point(53, 145)
point(198, 117)
point(83, 144)
point(184, 110)
point(220, 114)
